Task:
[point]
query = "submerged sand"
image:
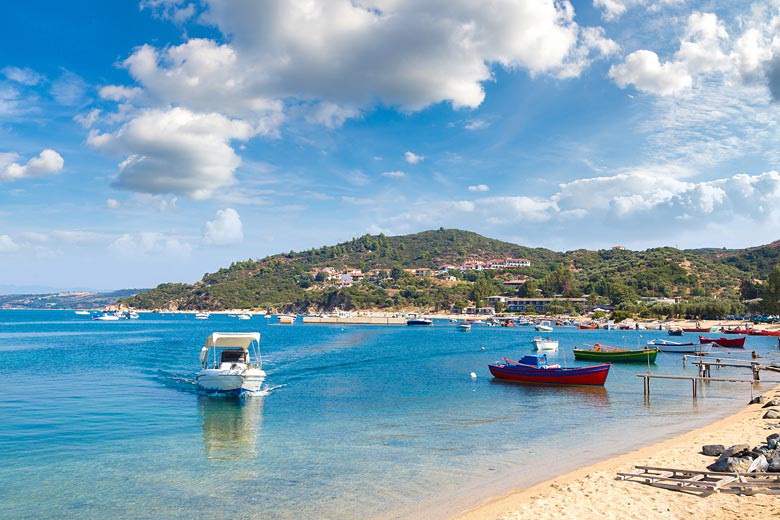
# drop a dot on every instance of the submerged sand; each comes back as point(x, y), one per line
point(595, 493)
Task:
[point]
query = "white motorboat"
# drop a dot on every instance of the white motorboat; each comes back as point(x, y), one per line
point(545, 343)
point(464, 326)
point(287, 319)
point(83, 313)
point(231, 363)
point(419, 321)
point(106, 316)
point(244, 316)
point(544, 326)
point(202, 315)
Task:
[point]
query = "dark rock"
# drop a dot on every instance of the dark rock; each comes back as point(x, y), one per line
point(731, 465)
point(773, 402)
point(772, 414)
point(774, 465)
point(736, 450)
point(757, 400)
point(773, 441)
point(713, 450)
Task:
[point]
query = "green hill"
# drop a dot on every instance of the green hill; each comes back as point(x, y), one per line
point(308, 281)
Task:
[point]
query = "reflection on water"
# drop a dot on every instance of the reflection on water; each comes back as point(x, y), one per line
point(231, 425)
point(584, 395)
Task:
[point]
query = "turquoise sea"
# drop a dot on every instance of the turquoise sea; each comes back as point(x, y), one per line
point(103, 420)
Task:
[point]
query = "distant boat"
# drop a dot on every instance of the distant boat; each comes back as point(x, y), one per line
point(464, 326)
point(244, 316)
point(535, 369)
point(544, 326)
point(230, 363)
point(83, 313)
point(132, 315)
point(675, 331)
point(587, 326)
point(757, 332)
point(419, 321)
point(287, 319)
point(202, 315)
point(725, 342)
point(541, 343)
point(106, 316)
point(682, 348)
point(604, 353)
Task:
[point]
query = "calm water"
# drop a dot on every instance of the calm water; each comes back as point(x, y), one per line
point(102, 419)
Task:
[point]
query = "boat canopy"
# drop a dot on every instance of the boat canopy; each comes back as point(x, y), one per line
point(534, 361)
point(232, 339)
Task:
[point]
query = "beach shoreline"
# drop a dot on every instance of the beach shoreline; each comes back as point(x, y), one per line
point(593, 492)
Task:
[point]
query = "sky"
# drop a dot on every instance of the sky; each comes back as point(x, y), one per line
point(153, 141)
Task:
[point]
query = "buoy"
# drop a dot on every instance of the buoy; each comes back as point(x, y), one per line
point(473, 375)
point(483, 348)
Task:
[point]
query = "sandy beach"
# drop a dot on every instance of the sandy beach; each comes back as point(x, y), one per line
point(594, 492)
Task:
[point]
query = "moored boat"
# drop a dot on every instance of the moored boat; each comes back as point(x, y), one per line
point(244, 316)
point(231, 363)
point(202, 315)
point(419, 321)
point(536, 369)
point(544, 326)
point(604, 353)
point(464, 326)
point(541, 343)
point(725, 342)
point(684, 348)
point(587, 326)
point(757, 332)
point(287, 319)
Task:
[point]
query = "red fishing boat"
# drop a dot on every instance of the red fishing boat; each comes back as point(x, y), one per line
point(736, 330)
point(535, 369)
point(697, 329)
point(587, 326)
point(756, 332)
point(724, 342)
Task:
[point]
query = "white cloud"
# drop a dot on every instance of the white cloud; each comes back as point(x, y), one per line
point(175, 151)
point(413, 158)
point(613, 9)
point(225, 229)
point(149, 244)
point(119, 93)
point(7, 244)
point(89, 119)
point(476, 124)
point(69, 89)
point(47, 162)
point(112, 203)
point(643, 70)
point(342, 56)
point(479, 187)
point(394, 174)
point(25, 76)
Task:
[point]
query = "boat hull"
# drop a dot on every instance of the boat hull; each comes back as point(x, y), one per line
point(594, 375)
point(227, 381)
point(685, 349)
point(545, 344)
point(725, 342)
point(617, 356)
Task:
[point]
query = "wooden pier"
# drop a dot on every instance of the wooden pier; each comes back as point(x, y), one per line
point(705, 373)
point(694, 381)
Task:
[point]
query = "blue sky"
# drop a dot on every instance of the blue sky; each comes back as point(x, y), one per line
point(154, 141)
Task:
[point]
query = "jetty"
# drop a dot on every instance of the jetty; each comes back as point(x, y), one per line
point(354, 320)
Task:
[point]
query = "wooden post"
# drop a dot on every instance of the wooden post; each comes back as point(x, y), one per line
point(756, 371)
point(693, 384)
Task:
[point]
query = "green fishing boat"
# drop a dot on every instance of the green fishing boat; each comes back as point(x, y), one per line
point(606, 353)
